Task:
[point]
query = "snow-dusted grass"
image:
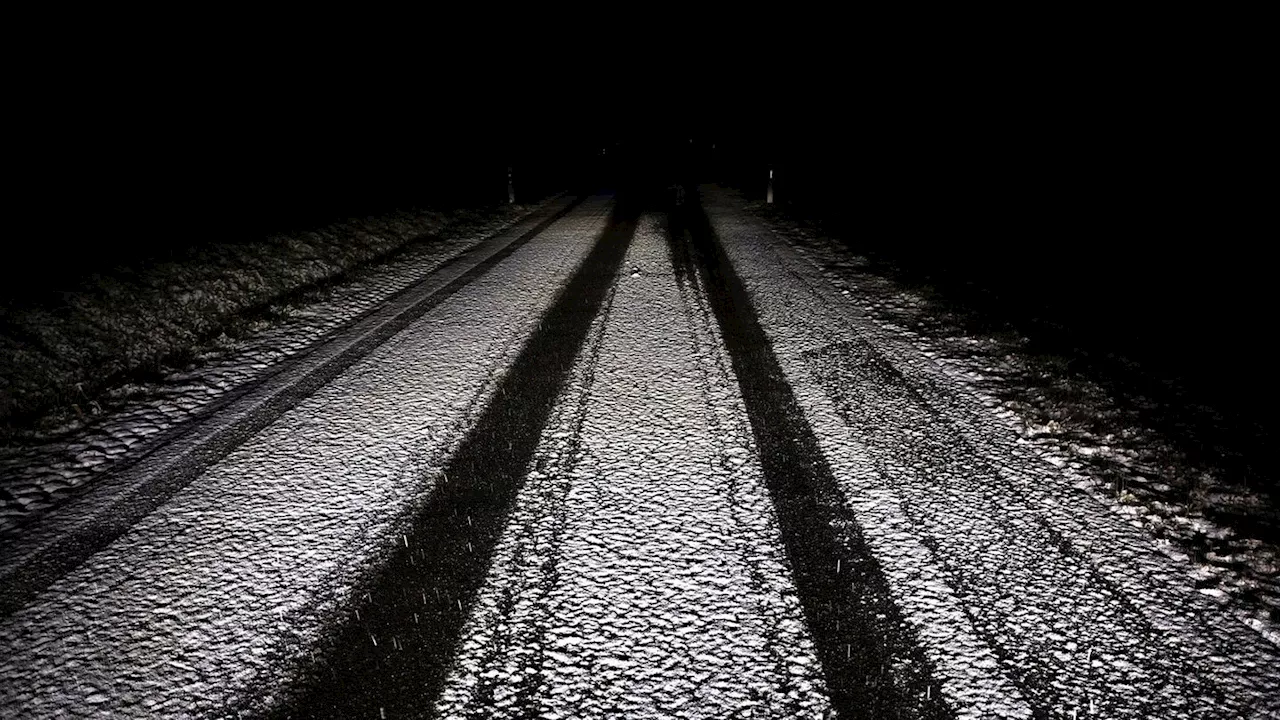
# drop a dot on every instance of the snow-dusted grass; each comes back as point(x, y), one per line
point(138, 322)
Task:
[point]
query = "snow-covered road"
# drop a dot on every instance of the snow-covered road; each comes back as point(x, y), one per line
point(203, 603)
point(641, 574)
point(1026, 592)
point(648, 465)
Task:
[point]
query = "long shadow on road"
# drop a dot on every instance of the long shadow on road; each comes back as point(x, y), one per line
point(870, 657)
point(390, 659)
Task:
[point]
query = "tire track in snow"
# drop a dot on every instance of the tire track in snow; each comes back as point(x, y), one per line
point(206, 606)
point(946, 494)
point(1080, 614)
point(642, 575)
point(501, 658)
point(871, 659)
point(40, 475)
point(389, 658)
point(62, 540)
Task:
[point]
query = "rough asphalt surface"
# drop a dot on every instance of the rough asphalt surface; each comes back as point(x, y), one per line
point(647, 464)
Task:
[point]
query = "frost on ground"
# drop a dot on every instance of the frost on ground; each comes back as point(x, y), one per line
point(214, 321)
point(1195, 509)
point(641, 574)
point(203, 606)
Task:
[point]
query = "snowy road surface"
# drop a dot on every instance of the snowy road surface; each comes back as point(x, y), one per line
point(648, 464)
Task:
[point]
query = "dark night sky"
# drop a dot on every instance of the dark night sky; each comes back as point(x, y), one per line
point(1121, 188)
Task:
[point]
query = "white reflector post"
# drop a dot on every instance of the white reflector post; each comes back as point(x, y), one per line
point(768, 194)
point(511, 188)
